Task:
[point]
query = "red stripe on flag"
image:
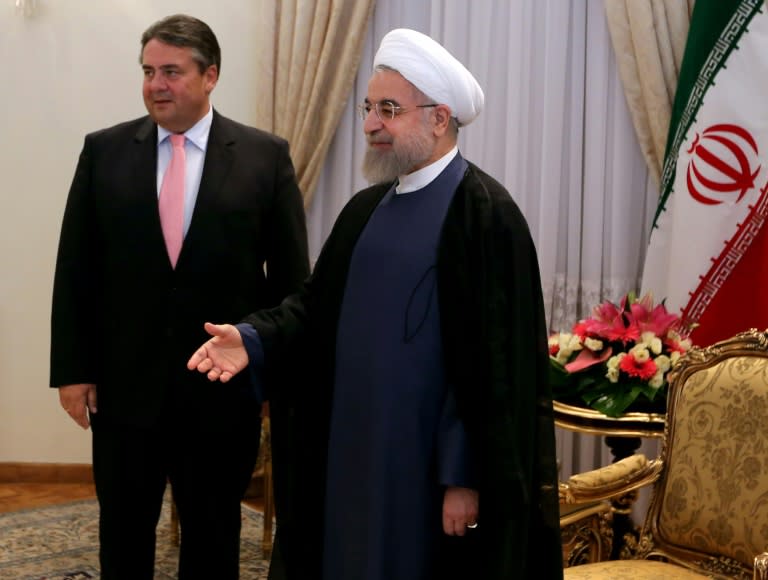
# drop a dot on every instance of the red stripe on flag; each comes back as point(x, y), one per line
point(742, 302)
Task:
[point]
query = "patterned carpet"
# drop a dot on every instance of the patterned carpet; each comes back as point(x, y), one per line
point(60, 543)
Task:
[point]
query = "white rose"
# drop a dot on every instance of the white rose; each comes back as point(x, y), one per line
point(657, 380)
point(572, 342)
point(640, 352)
point(594, 344)
point(663, 363)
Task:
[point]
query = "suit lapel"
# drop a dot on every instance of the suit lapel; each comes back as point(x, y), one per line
point(145, 162)
point(219, 156)
point(144, 167)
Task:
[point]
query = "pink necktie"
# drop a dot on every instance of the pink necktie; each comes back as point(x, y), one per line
point(172, 200)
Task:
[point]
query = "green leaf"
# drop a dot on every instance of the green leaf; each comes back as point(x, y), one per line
point(559, 378)
point(614, 404)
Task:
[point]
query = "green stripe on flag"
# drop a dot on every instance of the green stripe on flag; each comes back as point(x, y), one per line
point(716, 27)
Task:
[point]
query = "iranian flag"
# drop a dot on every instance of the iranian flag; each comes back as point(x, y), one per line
point(708, 251)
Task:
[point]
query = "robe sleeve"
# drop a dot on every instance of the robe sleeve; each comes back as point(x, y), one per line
point(454, 465)
point(252, 344)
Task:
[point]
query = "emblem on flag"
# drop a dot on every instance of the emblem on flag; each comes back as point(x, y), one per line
point(720, 164)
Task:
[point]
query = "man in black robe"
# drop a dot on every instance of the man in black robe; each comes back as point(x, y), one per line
point(421, 442)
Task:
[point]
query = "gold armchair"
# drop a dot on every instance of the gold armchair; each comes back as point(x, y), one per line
point(708, 515)
point(586, 530)
point(586, 515)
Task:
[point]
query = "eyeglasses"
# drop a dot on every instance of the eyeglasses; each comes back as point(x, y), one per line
point(387, 110)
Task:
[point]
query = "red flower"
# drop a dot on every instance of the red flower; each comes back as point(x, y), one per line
point(652, 319)
point(580, 329)
point(675, 346)
point(643, 370)
point(610, 322)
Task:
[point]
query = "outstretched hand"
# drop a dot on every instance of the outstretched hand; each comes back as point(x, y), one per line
point(221, 357)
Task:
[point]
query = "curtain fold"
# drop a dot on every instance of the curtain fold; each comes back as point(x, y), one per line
point(648, 39)
point(310, 54)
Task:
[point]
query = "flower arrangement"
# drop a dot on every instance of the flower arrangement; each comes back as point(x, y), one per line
point(619, 357)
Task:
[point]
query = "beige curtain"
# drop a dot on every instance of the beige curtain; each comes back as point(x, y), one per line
point(307, 60)
point(648, 39)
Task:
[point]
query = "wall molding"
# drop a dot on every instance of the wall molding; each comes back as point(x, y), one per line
point(18, 472)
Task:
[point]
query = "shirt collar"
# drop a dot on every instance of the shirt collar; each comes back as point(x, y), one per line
point(197, 134)
point(425, 175)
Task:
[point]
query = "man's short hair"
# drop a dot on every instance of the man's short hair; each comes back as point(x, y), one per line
point(186, 31)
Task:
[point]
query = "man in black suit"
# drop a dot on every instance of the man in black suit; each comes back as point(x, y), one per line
point(118, 285)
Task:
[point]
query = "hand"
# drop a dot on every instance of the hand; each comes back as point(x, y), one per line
point(460, 508)
point(223, 356)
point(79, 400)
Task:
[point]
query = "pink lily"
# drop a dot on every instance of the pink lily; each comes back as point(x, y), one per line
point(651, 319)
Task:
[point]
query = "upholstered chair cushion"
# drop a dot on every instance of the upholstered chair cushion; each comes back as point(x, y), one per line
point(621, 470)
point(631, 570)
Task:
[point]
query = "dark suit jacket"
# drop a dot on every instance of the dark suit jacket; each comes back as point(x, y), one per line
point(122, 317)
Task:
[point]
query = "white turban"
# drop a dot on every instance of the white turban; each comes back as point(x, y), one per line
point(433, 70)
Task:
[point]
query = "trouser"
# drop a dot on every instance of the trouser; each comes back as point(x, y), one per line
point(209, 465)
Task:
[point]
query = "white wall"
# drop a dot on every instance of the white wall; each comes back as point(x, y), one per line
point(69, 69)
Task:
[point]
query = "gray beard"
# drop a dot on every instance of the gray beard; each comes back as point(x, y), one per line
point(384, 167)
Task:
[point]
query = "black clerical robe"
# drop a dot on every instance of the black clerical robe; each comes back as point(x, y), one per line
point(496, 361)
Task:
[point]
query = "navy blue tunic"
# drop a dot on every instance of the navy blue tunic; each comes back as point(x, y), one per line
point(395, 439)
